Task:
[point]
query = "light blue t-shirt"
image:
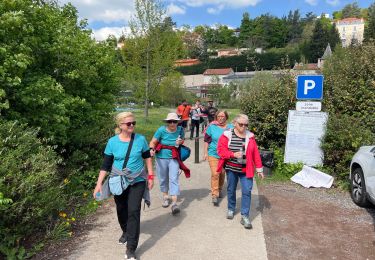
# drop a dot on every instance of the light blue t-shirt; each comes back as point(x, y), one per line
point(118, 149)
point(167, 138)
point(215, 132)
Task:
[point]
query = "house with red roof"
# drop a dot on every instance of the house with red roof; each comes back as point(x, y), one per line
point(215, 76)
point(351, 30)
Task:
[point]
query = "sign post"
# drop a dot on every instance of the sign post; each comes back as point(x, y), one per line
point(306, 126)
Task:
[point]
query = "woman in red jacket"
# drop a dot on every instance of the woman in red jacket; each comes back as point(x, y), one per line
point(239, 156)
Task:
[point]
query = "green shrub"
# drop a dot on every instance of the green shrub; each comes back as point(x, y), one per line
point(349, 85)
point(266, 102)
point(283, 171)
point(349, 97)
point(28, 177)
point(344, 135)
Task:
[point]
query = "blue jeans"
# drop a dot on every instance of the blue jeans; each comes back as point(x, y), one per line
point(167, 170)
point(246, 187)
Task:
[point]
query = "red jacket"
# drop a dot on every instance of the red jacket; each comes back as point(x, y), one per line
point(253, 160)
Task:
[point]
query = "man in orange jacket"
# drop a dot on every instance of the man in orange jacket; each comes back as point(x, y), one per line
point(183, 111)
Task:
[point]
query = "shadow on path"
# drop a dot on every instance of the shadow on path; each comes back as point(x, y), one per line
point(158, 227)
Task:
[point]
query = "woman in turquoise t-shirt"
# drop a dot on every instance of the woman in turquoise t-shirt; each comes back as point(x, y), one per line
point(167, 168)
point(213, 133)
point(128, 203)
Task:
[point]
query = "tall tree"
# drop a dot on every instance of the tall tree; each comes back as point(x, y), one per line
point(150, 52)
point(334, 36)
point(351, 10)
point(370, 27)
point(294, 25)
point(245, 28)
point(319, 41)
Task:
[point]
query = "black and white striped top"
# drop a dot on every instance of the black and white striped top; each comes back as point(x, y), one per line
point(237, 144)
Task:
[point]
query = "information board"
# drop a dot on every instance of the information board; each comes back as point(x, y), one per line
point(304, 133)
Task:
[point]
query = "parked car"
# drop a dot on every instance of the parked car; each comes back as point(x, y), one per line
point(362, 176)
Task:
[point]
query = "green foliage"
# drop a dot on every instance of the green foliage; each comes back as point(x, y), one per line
point(323, 34)
point(266, 102)
point(265, 61)
point(29, 179)
point(351, 10)
point(344, 135)
point(56, 79)
point(349, 84)
point(349, 97)
point(283, 171)
point(370, 26)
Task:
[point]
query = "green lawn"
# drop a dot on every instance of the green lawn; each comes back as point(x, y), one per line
point(155, 119)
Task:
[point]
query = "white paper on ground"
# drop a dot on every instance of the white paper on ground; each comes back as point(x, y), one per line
point(310, 177)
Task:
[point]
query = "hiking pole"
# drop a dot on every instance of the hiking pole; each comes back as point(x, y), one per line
point(196, 150)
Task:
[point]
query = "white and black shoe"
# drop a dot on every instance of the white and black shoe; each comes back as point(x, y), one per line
point(130, 254)
point(123, 239)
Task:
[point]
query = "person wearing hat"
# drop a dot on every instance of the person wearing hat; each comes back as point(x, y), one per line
point(164, 142)
point(211, 110)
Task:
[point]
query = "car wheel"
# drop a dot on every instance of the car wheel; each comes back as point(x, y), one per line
point(358, 188)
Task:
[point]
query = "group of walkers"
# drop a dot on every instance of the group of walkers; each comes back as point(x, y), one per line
point(229, 148)
point(198, 113)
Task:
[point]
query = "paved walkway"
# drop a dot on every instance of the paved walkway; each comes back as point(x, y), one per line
point(200, 231)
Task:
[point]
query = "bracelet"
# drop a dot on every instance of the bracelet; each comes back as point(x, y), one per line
point(150, 177)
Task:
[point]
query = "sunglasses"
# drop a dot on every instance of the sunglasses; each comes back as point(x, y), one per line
point(242, 125)
point(129, 123)
point(172, 122)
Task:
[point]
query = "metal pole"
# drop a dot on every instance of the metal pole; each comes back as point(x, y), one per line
point(196, 150)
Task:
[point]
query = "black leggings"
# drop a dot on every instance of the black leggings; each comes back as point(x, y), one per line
point(194, 123)
point(128, 206)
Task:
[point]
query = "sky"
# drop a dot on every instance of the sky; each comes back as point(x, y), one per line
point(111, 16)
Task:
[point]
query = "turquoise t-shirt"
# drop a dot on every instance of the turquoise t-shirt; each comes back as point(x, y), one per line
point(215, 132)
point(167, 138)
point(118, 149)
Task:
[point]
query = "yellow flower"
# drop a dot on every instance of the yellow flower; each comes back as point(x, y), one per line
point(67, 224)
point(66, 181)
point(254, 129)
point(85, 194)
point(73, 219)
point(70, 234)
point(62, 214)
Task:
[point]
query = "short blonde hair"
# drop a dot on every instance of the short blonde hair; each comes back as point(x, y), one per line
point(119, 117)
point(240, 116)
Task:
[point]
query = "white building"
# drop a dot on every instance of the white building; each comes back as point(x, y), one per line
point(351, 30)
point(216, 76)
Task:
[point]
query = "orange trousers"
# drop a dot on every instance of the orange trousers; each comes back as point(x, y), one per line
point(217, 179)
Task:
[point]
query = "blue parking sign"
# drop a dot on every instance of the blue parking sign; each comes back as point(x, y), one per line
point(310, 87)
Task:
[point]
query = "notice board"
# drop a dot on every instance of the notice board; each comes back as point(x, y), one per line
point(304, 133)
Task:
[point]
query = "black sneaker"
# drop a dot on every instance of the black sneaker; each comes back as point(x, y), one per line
point(175, 209)
point(123, 239)
point(130, 254)
point(215, 201)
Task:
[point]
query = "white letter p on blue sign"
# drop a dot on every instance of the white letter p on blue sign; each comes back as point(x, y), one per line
point(309, 84)
point(309, 87)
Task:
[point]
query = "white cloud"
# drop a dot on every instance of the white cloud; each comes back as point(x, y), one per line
point(215, 10)
point(312, 2)
point(103, 33)
point(174, 9)
point(103, 11)
point(218, 3)
point(333, 2)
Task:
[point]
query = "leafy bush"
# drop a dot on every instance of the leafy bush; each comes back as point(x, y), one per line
point(349, 87)
point(28, 177)
point(344, 135)
point(349, 97)
point(283, 171)
point(266, 102)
